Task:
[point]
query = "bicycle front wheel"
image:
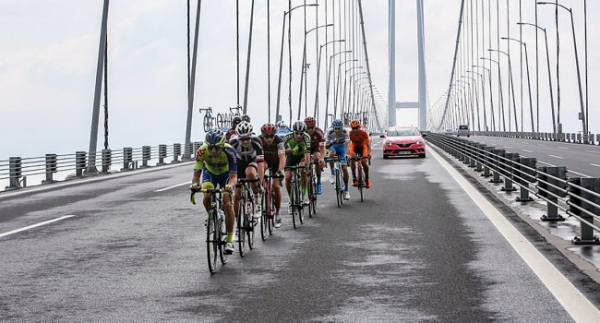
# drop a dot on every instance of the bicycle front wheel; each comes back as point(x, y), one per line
point(222, 240)
point(241, 231)
point(338, 188)
point(250, 227)
point(207, 123)
point(264, 221)
point(212, 244)
point(360, 183)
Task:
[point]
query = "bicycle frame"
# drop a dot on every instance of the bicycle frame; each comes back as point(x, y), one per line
point(296, 201)
point(215, 229)
point(245, 223)
point(339, 179)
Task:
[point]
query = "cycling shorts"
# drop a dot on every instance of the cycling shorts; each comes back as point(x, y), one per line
point(362, 149)
point(340, 150)
point(215, 180)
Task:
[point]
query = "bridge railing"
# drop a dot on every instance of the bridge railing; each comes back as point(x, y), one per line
point(578, 197)
point(579, 138)
point(17, 172)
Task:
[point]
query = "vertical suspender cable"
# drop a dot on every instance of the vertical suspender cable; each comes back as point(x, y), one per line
point(247, 83)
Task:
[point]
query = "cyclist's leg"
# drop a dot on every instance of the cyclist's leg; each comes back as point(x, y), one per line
point(221, 181)
point(208, 182)
point(317, 158)
point(288, 174)
point(353, 164)
point(342, 154)
point(303, 180)
point(252, 173)
point(364, 153)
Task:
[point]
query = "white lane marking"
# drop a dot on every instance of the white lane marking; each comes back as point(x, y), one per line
point(542, 145)
point(35, 225)
point(595, 165)
point(573, 301)
point(170, 187)
point(578, 173)
point(508, 147)
point(565, 148)
point(593, 151)
point(527, 150)
point(556, 156)
point(551, 165)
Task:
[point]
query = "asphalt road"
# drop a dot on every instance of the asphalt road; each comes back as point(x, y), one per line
point(419, 249)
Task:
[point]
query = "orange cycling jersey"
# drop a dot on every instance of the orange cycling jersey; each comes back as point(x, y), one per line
point(359, 138)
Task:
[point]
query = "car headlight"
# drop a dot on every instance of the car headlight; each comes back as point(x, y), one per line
point(387, 143)
point(421, 142)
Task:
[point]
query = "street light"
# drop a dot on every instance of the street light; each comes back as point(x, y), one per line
point(345, 82)
point(549, 73)
point(501, 98)
point(329, 81)
point(528, 85)
point(583, 117)
point(281, 55)
point(316, 113)
point(491, 96)
point(338, 83)
point(512, 89)
point(303, 80)
point(477, 100)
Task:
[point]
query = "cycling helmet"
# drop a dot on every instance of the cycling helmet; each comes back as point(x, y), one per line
point(235, 121)
point(354, 124)
point(299, 126)
point(246, 118)
point(268, 129)
point(281, 124)
point(244, 130)
point(215, 137)
point(310, 121)
point(337, 123)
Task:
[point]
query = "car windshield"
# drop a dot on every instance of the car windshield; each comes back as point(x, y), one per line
point(402, 132)
point(463, 127)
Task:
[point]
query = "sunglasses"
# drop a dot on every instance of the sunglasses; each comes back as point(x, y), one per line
point(355, 128)
point(216, 147)
point(269, 136)
point(298, 133)
point(245, 139)
point(310, 128)
point(340, 129)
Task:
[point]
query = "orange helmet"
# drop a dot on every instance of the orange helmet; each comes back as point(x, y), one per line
point(354, 124)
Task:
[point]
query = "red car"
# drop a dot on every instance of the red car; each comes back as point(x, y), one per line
point(403, 141)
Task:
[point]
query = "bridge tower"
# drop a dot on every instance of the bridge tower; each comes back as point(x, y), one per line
point(422, 103)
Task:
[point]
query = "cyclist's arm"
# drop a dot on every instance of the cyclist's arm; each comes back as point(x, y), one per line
point(281, 154)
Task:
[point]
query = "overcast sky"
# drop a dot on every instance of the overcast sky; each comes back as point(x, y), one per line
point(50, 48)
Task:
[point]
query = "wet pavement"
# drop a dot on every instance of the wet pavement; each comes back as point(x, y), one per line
point(416, 250)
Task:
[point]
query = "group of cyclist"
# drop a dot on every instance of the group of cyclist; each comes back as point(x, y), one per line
point(226, 157)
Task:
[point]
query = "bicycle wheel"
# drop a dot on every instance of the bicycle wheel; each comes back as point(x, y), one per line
point(300, 200)
point(360, 182)
point(250, 226)
point(212, 244)
point(338, 187)
point(241, 234)
point(264, 221)
point(220, 121)
point(294, 203)
point(207, 123)
point(313, 198)
point(222, 240)
point(272, 212)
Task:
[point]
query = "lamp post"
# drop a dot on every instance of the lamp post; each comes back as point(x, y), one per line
point(335, 98)
point(512, 89)
point(582, 113)
point(316, 112)
point(345, 82)
point(469, 105)
point(477, 97)
point(528, 85)
point(281, 55)
point(303, 79)
point(549, 73)
point(501, 95)
point(328, 83)
point(491, 97)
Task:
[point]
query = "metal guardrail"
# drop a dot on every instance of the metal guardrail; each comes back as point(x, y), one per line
point(580, 138)
point(16, 170)
point(578, 197)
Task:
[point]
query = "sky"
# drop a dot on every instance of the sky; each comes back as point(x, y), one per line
point(48, 66)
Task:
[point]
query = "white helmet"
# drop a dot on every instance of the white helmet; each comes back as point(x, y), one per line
point(244, 130)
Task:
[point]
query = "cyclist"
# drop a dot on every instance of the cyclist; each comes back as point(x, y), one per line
point(360, 143)
point(234, 122)
point(217, 161)
point(274, 153)
point(317, 148)
point(249, 151)
point(297, 150)
point(282, 129)
point(337, 143)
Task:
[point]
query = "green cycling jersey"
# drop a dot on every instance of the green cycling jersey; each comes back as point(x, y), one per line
point(298, 147)
point(226, 161)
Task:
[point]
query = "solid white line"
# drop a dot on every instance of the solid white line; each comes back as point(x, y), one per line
point(595, 165)
point(565, 148)
point(578, 173)
point(35, 225)
point(574, 302)
point(556, 156)
point(593, 151)
point(542, 145)
point(170, 187)
point(527, 150)
point(551, 165)
point(525, 142)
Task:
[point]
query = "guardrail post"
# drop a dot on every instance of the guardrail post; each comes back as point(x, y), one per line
point(473, 152)
point(526, 174)
point(50, 168)
point(80, 160)
point(197, 146)
point(509, 162)
point(127, 159)
point(480, 157)
point(497, 157)
point(14, 173)
point(551, 185)
point(162, 154)
point(177, 153)
point(487, 161)
point(580, 199)
point(106, 160)
point(146, 156)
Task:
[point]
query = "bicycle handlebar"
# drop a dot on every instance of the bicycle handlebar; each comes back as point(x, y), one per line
point(205, 190)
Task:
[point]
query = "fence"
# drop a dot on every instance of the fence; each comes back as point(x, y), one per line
point(17, 172)
point(575, 196)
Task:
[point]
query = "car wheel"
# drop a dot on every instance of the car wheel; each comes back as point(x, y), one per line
point(385, 157)
point(422, 156)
